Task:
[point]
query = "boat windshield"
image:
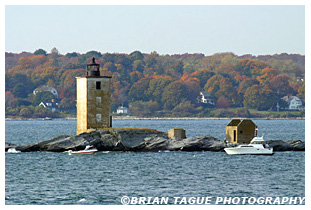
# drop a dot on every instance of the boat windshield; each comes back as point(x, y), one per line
point(257, 142)
point(88, 147)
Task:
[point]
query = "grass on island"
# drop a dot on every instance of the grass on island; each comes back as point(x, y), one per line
point(130, 128)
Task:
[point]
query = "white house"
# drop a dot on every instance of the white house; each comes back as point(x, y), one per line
point(205, 97)
point(294, 103)
point(53, 106)
point(123, 110)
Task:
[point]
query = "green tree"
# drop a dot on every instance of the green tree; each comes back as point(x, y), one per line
point(287, 66)
point(157, 86)
point(40, 111)
point(173, 94)
point(193, 88)
point(124, 60)
point(203, 76)
point(72, 55)
point(108, 57)
point(252, 97)
point(20, 90)
point(110, 67)
point(138, 91)
point(135, 76)
point(21, 102)
point(260, 98)
point(40, 52)
point(138, 65)
point(8, 84)
point(213, 83)
point(26, 111)
point(25, 85)
point(136, 55)
point(246, 83)
point(44, 96)
point(185, 108)
point(93, 53)
point(179, 67)
point(268, 98)
point(151, 60)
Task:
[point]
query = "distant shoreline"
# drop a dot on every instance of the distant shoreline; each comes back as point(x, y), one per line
point(199, 118)
point(159, 118)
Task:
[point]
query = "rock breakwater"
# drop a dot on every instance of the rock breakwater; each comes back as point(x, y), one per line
point(139, 140)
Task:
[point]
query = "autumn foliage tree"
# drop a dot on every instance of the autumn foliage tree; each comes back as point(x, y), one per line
point(280, 85)
point(260, 98)
point(223, 102)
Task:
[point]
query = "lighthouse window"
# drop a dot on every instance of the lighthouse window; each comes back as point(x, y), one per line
point(98, 85)
point(98, 117)
point(98, 101)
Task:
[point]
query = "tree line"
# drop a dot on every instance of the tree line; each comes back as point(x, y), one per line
point(156, 85)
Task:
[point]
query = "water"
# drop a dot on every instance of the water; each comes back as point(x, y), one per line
point(103, 178)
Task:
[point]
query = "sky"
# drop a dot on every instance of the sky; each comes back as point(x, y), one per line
point(207, 29)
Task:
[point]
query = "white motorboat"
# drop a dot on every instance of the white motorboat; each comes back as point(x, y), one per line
point(256, 147)
point(88, 150)
point(13, 150)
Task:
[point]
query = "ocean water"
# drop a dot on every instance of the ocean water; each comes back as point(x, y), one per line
point(104, 178)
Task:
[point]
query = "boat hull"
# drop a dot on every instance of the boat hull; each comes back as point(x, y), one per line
point(248, 151)
point(82, 152)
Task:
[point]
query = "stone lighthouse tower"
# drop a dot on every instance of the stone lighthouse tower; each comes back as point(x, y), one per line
point(93, 100)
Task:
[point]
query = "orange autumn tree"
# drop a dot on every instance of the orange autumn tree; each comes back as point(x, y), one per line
point(251, 68)
point(266, 75)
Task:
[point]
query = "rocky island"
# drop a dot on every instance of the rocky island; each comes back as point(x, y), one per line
point(139, 140)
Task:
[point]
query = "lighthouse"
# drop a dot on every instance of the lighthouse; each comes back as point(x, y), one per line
point(93, 100)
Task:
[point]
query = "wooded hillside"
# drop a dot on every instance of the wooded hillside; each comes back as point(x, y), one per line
point(156, 85)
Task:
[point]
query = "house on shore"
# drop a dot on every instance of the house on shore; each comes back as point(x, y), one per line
point(52, 106)
point(206, 98)
point(293, 102)
point(241, 131)
point(123, 110)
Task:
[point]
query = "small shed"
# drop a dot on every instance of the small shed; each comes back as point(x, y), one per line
point(241, 131)
point(176, 133)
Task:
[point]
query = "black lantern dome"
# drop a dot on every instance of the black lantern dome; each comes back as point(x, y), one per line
point(93, 69)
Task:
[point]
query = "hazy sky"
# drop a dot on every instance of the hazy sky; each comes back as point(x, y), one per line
point(166, 29)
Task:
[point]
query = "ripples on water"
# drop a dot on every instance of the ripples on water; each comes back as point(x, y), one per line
point(57, 178)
